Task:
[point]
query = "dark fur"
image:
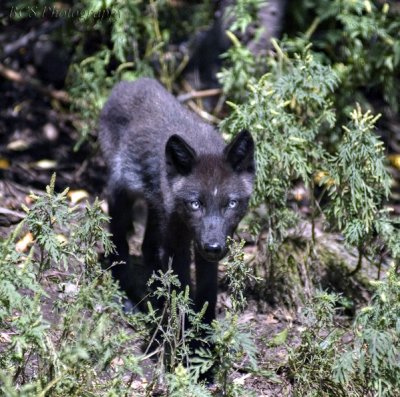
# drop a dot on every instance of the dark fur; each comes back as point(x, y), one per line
point(158, 150)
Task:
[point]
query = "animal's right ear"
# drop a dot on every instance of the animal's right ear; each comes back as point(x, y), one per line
point(179, 155)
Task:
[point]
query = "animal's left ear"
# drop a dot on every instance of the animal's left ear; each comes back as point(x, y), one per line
point(240, 152)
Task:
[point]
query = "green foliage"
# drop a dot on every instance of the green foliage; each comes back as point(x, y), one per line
point(242, 13)
point(240, 68)
point(60, 312)
point(357, 180)
point(360, 40)
point(181, 383)
point(89, 88)
point(311, 363)
point(285, 111)
point(290, 111)
point(367, 364)
point(238, 274)
point(231, 341)
point(372, 359)
point(176, 326)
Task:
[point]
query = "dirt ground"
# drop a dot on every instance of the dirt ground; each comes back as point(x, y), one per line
point(37, 138)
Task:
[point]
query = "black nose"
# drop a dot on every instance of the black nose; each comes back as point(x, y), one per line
point(213, 248)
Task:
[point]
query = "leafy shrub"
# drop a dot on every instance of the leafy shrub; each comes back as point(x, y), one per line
point(285, 111)
point(311, 363)
point(362, 361)
point(371, 360)
point(62, 327)
point(188, 349)
point(359, 40)
point(61, 313)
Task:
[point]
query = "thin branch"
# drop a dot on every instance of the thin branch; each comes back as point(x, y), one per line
point(10, 217)
point(203, 114)
point(359, 262)
point(23, 41)
point(199, 94)
point(18, 78)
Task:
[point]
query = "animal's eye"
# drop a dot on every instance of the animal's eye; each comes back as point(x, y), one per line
point(233, 203)
point(195, 205)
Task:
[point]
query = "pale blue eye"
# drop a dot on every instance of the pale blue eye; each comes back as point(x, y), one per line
point(233, 203)
point(195, 205)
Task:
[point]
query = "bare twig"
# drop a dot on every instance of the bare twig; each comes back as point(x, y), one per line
point(18, 78)
point(199, 94)
point(10, 217)
point(359, 262)
point(203, 114)
point(23, 41)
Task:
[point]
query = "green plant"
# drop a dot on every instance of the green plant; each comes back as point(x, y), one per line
point(61, 319)
point(311, 362)
point(357, 362)
point(242, 13)
point(239, 69)
point(286, 110)
point(371, 360)
point(176, 324)
point(359, 40)
point(358, 182)
point(231, 341)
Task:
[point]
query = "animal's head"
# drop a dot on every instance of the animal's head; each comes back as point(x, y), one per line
point(211, 192)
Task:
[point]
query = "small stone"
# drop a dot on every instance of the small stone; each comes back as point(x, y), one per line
point(50, 132)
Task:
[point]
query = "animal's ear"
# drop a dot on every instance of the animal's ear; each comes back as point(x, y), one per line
point(180, 156)
point(240, 152)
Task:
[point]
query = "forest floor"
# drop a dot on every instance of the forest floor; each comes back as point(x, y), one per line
point(37, 138)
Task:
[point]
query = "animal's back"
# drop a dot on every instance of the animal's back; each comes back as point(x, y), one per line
point(135, 124)
point(144, 110)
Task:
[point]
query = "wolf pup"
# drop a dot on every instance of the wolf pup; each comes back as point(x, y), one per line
point(196, 188)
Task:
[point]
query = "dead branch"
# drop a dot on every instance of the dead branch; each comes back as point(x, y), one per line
point(23, 41)
point(10, 217)
point(203, 114)
point(18, 78)
point(199, 94)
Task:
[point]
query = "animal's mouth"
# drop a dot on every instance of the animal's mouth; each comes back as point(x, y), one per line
point(212, 258)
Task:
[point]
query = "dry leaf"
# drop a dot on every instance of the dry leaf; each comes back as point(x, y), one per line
point(270, 319)
point(77, 195)
point(46, 164)
point(4, 164)
point(240, 381)
point(299, 193)
point(319, 177)
point(18, 145)
point(61, 239)
point(25, 242)
point(4, 337)
point(395, 160)
point(104, 207)
point(50, 132)
point(117, 362)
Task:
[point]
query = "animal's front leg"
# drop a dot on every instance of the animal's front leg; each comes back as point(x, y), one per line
point(178, 250)
point(120, 210)
point(206, 286)
point(153, 242)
